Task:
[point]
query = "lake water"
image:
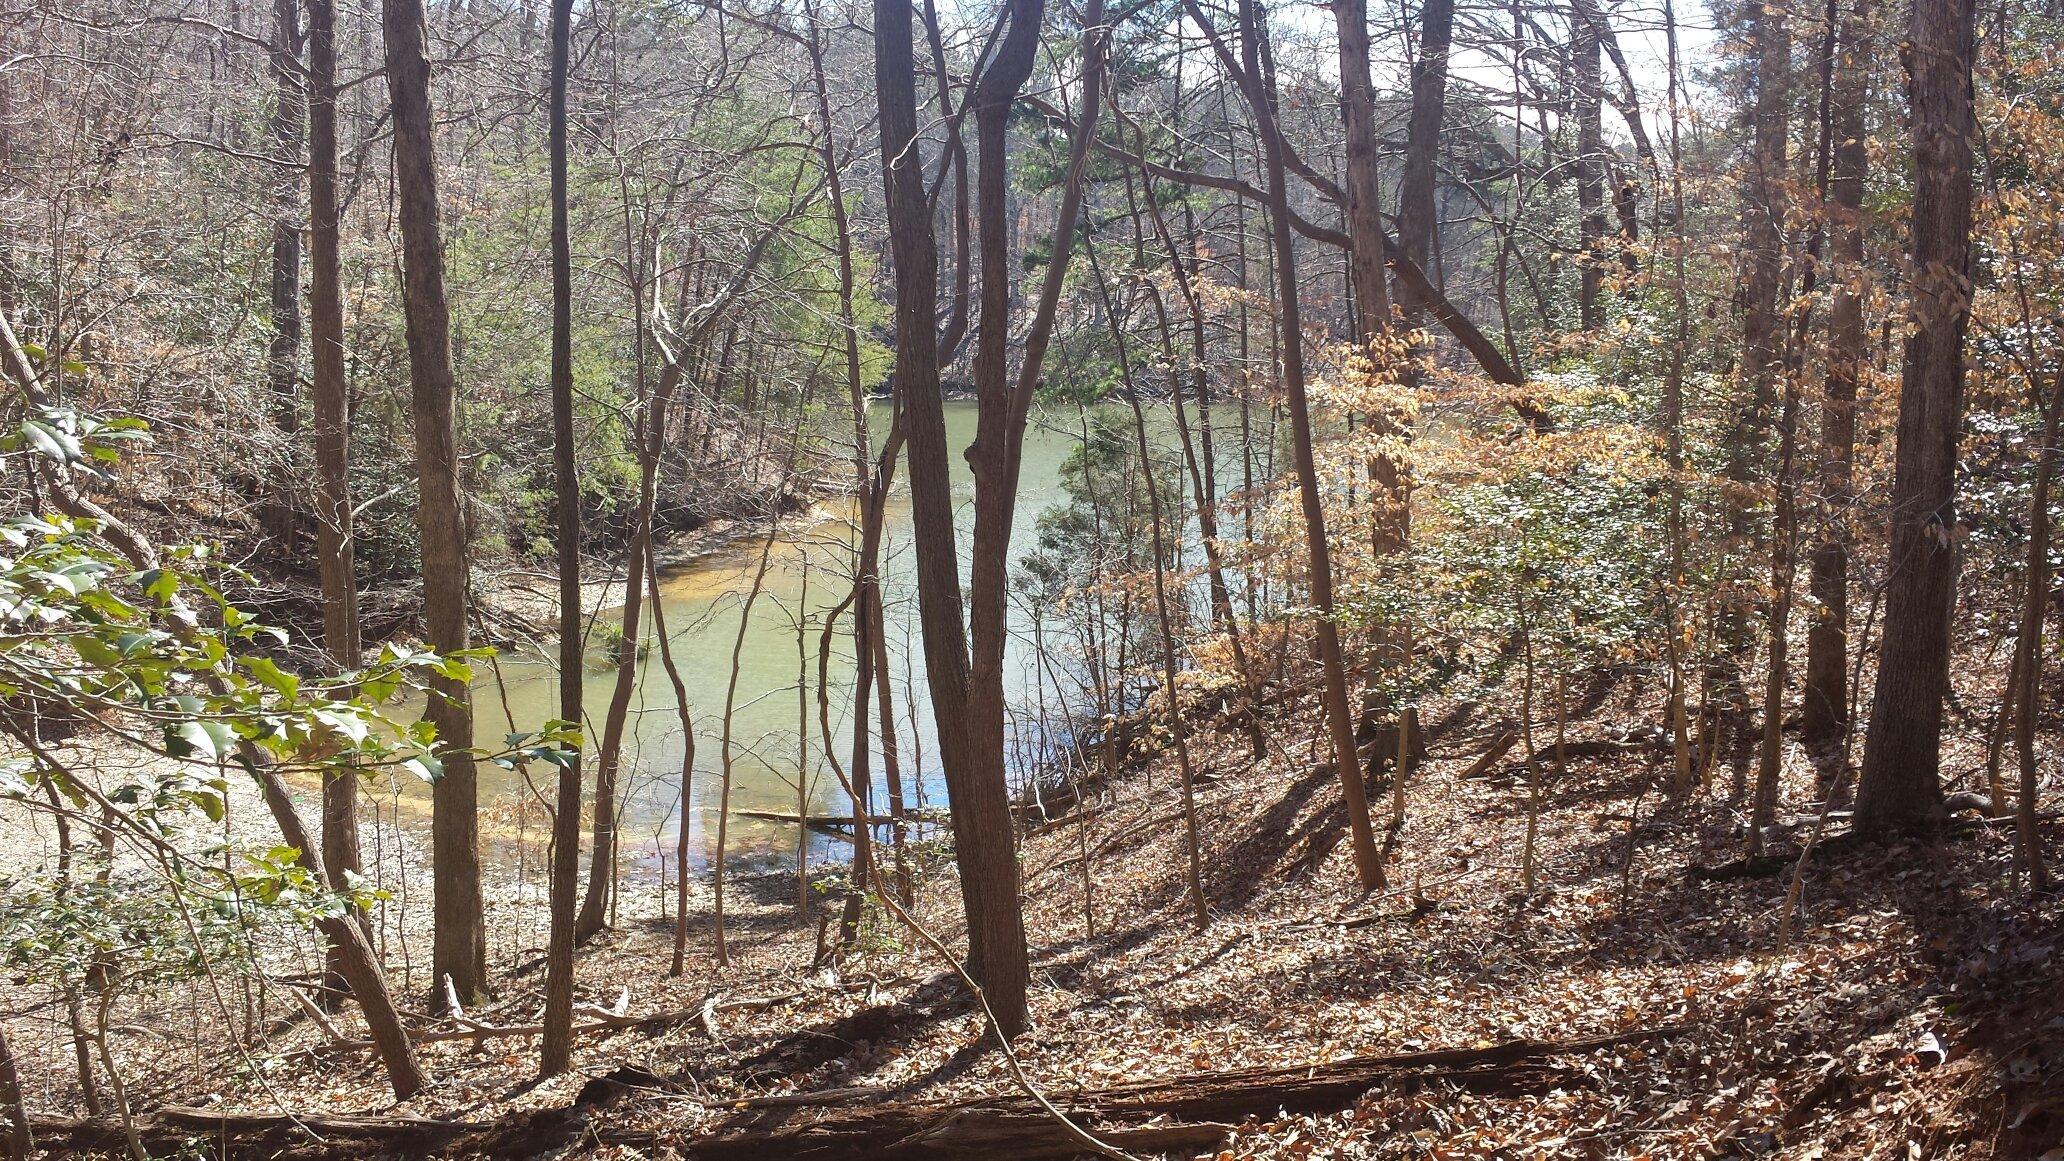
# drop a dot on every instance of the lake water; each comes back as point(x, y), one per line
point(809, 570)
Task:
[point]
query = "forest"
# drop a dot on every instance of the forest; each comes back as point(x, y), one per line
point(1031, 578)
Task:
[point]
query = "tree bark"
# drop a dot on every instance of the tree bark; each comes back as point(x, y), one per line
point(1326, 630)
point(2028, 646)
point(981, 801)
point(1762, 348)
point(915, 268)
point(556, 1051)
point(1586, 84)
point(283, 353)
point(594, 910)
point(21, 1137)
point(331, 406)
point(1364, 179)
point(872, 489)
point(1826, 703)
point(1683, 776)
point(1900, 787)
point(459, 940)
point(1416, 219)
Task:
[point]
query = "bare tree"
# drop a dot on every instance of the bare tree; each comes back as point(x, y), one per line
point(555, 1054)
point(1255, 78)
point(1585, 94)
point(332, 423)
point(1826, 707)
point(459, 946)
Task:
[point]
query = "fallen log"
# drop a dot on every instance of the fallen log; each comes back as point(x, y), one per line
point(233, 1133)
point(358, 1126)
point(174, 1127)
point(829, 823)
point(1598, 747)
point(1499, 745)
point(1193, 1111)
point(600, 1020)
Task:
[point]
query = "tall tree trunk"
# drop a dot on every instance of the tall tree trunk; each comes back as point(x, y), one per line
point(892, 773)
point(1826, 708)
point(981, 803)
point(649, 439)
point(1900, 786)
point(1354, 94)
point(1783, 531)
point(872, 489)
point(594, 909)
point(978, 790)
point(332, 418)
point(916, 271)
point(1418, 227)
point(284, 352)
point(2028, 645)
point(685, 715)
point(1365, 252)
point(1762, 342)
point(556, 1054)
point(459, 940)
point(1682, 774)
point(1585, 83)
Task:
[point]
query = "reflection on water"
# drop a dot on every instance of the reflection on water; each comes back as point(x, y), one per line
point(775, 732)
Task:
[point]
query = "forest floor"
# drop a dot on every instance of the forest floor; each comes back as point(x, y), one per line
point(1918, 1011)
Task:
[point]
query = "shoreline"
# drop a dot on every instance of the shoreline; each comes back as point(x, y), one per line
point(529, 597)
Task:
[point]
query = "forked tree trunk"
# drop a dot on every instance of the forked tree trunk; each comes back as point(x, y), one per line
point(866, 595)
point(686, 716)
point(459, 939)
point(595, 905)
point(1900, 786)
point(649, 440)
point(981, 801)
point(965, 669)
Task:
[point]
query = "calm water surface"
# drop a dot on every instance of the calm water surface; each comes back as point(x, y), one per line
point(809, 566)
